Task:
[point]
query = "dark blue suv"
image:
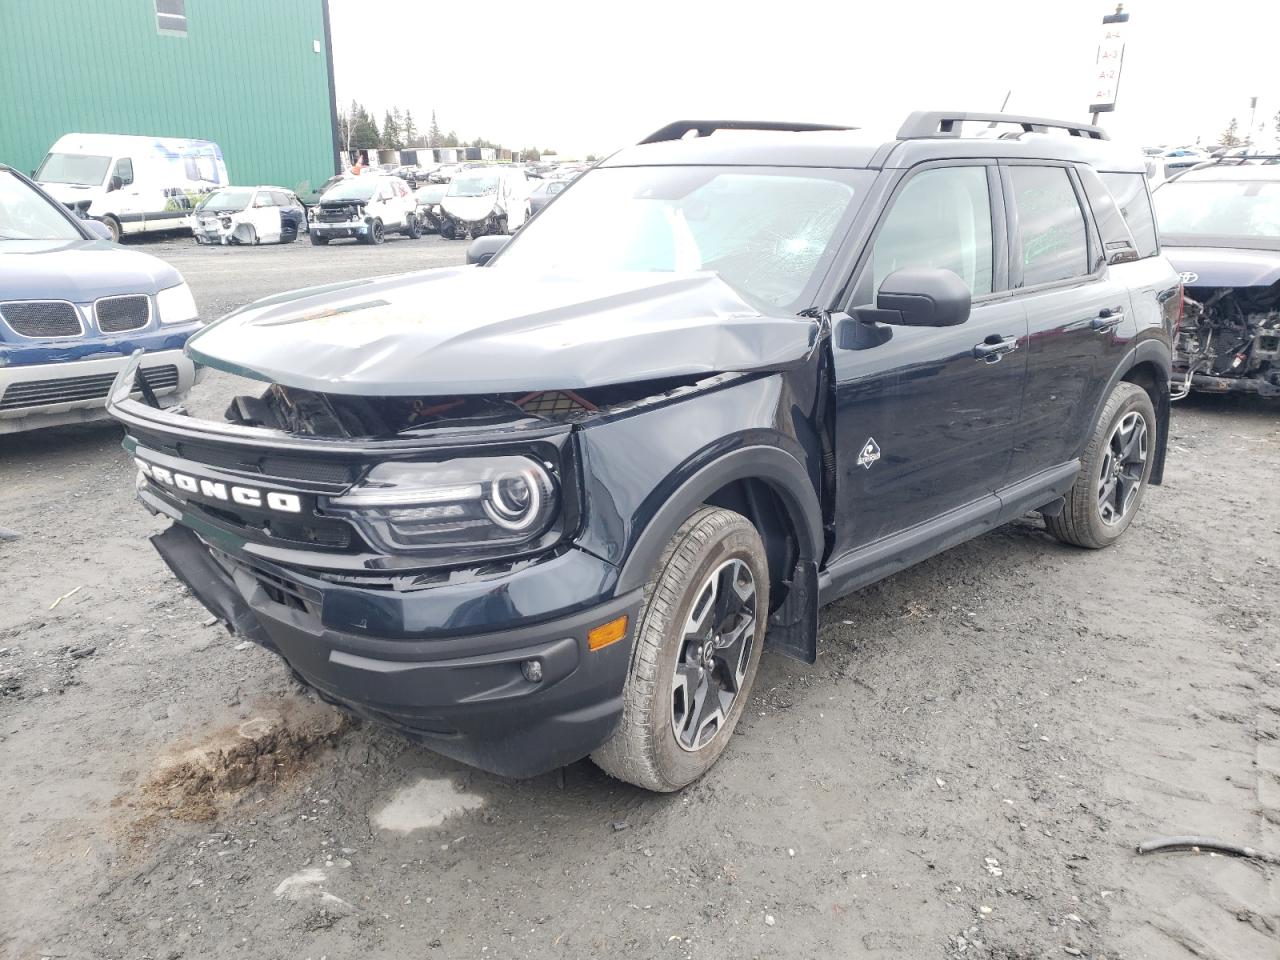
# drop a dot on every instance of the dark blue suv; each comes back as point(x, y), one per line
point(556, 503)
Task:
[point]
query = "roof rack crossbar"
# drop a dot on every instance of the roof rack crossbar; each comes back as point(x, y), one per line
point(927, 124)
point(682, 128)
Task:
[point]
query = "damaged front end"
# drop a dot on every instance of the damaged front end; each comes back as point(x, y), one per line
point(424, 497)
point(1228, 341)
point(222, 228)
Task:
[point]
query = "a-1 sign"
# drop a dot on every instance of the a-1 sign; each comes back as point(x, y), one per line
point(1108, 63)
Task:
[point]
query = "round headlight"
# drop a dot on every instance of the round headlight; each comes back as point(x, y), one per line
point(514, 500)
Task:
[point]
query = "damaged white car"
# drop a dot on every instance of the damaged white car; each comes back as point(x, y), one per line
point(248, 216)
point(483, 202)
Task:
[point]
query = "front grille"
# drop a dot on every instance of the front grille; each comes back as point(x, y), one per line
point(42, 393)
point(42, 318)
point(336, 214)
point(286, 468)
point(118, 314)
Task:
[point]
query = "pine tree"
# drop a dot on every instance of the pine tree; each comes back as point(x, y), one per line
point(391, 131)
point(450, 139)
point(1231, 136)
point(434, 136)
point(409, 131)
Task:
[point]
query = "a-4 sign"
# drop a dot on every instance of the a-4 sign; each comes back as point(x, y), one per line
point(1108, 63)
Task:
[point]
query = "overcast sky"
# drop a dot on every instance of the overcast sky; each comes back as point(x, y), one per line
point(585, 77)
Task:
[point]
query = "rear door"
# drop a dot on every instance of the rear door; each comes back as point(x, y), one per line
point(925, 419)
point(1078, 311)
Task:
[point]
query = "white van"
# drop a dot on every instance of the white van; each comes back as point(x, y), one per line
point(132, 184)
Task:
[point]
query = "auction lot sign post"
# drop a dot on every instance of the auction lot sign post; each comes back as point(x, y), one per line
point(1108, 63)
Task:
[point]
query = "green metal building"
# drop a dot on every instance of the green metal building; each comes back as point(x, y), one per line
point(255, 76)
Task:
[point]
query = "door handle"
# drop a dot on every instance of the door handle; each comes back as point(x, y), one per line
point(994, 347)
point(1107, 319)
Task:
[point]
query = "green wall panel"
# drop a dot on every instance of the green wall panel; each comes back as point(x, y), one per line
point(246, 75)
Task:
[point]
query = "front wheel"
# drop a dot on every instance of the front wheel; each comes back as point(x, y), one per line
point(1114, 472)
point(113, 225)
point(412, 228)
point(449, 230)
point(695, 654)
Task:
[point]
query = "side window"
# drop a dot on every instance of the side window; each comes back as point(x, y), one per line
point(1117, 244)
point(941, 218)
point(1130, 191)
point(1051, 225)
point(264, 199)
point(124, 170)
point(283, 199)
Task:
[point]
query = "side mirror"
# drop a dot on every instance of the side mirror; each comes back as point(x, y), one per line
point(115, 183)
point(98, 229)
point(920, 297)
point(483, 249)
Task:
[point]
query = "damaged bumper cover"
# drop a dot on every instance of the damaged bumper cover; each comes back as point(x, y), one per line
point(467, 695)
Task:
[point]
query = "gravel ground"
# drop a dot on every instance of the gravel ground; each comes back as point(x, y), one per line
point(964, 773)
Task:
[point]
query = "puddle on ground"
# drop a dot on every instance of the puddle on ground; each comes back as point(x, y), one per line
point(427, 803)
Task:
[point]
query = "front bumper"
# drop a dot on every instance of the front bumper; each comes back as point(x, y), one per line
point(51, 394)
point(466, 696)
point(353, 228)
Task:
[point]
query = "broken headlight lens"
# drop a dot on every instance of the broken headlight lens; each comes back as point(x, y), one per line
point(471, 506)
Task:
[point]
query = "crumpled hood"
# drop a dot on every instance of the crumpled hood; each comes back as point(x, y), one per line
point(492, 330)
point(78, 270)
point(1225, 267)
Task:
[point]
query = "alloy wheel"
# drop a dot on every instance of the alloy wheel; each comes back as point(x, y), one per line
point(715, 651)
point(1124, 464)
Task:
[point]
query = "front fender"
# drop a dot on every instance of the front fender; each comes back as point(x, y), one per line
point(645, 473)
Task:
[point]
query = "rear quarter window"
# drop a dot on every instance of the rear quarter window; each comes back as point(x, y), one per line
point(1130, 192)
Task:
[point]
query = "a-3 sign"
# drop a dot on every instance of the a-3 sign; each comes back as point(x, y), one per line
point(1108, 63)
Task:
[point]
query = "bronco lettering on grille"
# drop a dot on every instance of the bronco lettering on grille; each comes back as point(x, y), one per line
point(244, 496)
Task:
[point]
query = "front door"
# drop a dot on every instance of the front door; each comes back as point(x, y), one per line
point(925, 420)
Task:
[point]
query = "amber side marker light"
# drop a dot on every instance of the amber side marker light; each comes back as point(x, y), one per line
point(607, 633)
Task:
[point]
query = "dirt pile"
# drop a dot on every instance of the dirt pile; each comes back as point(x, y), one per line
point(269, 749)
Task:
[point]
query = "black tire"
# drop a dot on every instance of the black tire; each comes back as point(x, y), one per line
point(412, 229)
point(656, 746)
point(113, 225)
point(448, 230)
point(376, 233)
point(1105, 466)
point(317, 240)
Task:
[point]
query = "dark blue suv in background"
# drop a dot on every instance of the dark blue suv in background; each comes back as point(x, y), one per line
point(73, 307)
point(556, 503)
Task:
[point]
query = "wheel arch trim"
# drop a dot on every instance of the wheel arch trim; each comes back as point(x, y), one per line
point(780, 470)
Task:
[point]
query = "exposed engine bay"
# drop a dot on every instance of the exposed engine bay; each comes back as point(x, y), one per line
point(1228, 341)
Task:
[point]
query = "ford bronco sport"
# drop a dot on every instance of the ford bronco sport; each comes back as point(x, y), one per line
point(555, 503)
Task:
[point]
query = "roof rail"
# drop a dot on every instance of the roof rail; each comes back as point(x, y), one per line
point(926, 124)
point(681, 128)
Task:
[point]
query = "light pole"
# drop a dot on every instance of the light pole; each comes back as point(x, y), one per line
point(1253, 112)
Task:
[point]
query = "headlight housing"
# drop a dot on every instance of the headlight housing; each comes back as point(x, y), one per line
point(482, 506)
point(176, 305)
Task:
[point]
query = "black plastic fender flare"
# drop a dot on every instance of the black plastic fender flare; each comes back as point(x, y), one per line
point(784, 474)
point(1145, 351)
